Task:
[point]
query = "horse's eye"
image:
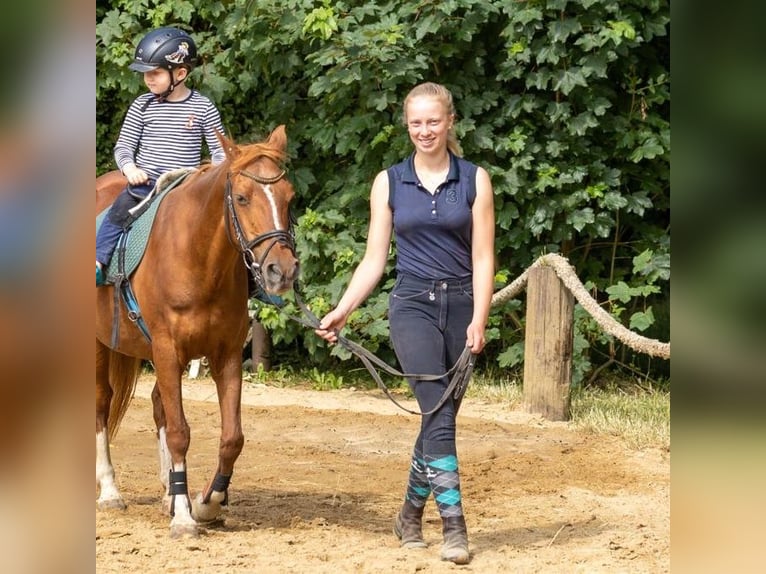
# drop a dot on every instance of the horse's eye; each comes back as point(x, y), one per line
point(242, 200)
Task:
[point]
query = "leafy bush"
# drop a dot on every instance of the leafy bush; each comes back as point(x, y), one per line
point(565, 103)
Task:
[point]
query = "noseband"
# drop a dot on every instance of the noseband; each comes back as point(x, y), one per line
point(239, 240)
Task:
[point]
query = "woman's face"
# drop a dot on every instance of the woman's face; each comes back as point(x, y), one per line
point(428, 123)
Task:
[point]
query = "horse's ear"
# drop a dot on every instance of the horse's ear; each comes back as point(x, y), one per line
point(278, 138)
point(228, 145)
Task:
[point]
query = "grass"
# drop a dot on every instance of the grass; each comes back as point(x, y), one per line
point(638, 415)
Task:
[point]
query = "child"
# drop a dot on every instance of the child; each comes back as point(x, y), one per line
point(162, 130)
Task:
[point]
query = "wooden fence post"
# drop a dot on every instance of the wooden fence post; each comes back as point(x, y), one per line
point(548, 345)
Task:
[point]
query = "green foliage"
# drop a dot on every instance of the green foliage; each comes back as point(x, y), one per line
point(325, 381)
point(565, 103)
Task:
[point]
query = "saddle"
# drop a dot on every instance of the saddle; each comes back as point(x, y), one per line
point(135, 235)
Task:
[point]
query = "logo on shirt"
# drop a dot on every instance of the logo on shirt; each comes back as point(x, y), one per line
point(190, 122)
point(451, 194)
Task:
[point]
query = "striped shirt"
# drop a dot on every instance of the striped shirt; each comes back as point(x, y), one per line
point(164, 136)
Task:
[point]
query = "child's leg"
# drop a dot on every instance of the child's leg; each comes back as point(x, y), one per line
point(115, 221)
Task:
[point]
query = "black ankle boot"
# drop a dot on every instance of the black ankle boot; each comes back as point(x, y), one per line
point(408, 526)
point(455, 548)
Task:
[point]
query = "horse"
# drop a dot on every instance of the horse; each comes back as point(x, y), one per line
point(218, 225)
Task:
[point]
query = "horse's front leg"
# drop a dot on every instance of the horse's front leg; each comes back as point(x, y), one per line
point(207, 506)
point(163, 451)
point(177, 438)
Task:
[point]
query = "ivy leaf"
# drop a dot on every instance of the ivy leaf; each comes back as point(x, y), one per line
point(526, 15)
point(650, 149)
point(621, 292)
point(567, 80)
point(512, 356)
point(560, 30)
point(580, 218)
point(613, 200)
point(600, 106)
point(594, 65)
point(642, 320)
point(580, 124)
point(550, 53)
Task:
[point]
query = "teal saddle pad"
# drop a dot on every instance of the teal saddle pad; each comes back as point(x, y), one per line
point(138, 231)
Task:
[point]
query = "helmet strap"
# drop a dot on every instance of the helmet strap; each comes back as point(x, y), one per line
point(173, 85)
point(161, 97)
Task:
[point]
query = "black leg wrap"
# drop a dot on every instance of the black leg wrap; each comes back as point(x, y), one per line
point(177, 483)
point(220, 484)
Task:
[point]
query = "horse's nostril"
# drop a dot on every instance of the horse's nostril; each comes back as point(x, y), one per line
point(274, 271)
point(284, 273)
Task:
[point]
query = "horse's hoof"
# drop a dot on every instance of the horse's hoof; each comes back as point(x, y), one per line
point(210, 512)
point(184, 531)
point(111, 504)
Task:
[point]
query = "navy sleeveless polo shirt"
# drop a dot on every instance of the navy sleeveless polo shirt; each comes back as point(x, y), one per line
point(433, 232)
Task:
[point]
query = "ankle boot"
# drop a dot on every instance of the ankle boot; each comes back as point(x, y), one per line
point(408, 526)
point(455, 548)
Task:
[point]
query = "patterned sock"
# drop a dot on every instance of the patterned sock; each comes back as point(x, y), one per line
point(418, 487)
point(443, 475)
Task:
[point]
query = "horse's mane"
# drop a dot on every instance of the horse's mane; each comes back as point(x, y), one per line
point(249, 153)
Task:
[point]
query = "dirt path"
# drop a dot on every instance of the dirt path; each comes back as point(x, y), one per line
point(323, 473)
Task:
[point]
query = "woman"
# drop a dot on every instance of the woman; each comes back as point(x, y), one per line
point(441, 209)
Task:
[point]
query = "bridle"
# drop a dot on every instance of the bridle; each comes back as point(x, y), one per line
point(240, 241)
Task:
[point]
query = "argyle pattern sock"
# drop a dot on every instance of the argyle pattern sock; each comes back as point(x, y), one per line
point(443, 476)
point(418, 487)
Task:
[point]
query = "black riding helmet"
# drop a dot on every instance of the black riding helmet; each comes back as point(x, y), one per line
point(166, 48)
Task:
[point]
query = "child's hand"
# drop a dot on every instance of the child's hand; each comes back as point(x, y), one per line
point(135, 175)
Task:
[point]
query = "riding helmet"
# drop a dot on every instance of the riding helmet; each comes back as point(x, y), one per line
point(166, 48)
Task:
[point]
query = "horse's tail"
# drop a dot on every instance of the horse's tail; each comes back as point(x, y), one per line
point(123, 374)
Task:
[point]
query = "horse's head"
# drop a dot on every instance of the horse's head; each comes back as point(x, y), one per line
point(258, 196)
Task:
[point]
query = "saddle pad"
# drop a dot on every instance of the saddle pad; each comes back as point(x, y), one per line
point(138, 232)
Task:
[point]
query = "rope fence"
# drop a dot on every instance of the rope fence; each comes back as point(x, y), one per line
point(609, 324)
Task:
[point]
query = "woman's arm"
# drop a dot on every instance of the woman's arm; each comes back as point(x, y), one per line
point(483, 254)
point(370, 269)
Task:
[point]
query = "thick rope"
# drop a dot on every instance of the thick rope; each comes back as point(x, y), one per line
point(568, 276)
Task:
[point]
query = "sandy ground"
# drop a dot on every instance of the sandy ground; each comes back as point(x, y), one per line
point(322, 475)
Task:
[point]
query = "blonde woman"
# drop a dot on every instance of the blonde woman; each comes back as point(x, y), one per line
point(441, 209)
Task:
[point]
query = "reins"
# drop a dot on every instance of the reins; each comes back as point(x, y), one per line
point(460, 371)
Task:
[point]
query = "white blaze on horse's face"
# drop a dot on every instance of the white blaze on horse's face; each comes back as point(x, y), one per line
point(274, 213)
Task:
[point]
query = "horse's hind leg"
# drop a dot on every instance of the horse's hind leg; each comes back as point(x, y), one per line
point(109, 496)
point(207, 506)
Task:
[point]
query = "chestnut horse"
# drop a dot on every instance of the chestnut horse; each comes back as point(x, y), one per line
point(221, 223)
